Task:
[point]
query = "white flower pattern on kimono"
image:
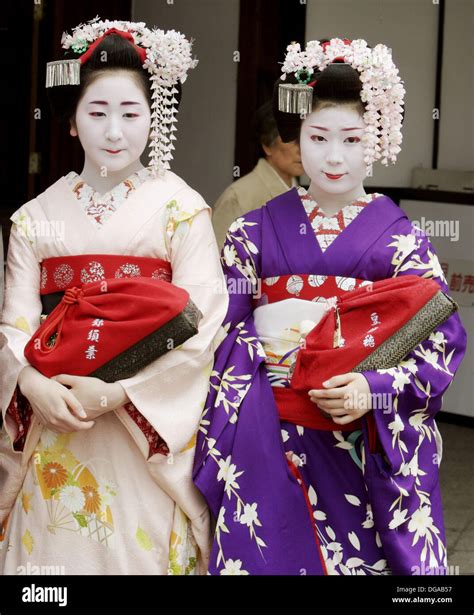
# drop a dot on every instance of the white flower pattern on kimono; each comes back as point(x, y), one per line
point(431, 357)
point(227, 473)
point(229, 255)
point(241, 239)
point(48, 438)
point(399, 517)
point(236, 225)
point(425, 264)
point(107, 490)
point(369, 521)
point(404, 244)
point(396, 427)
point(178, 217)
point(417, 420)
point(336, 563)
point(438, 339)
point(400, 380)
point(420, 523)
point(250, 515)
point(411, 468)
point(234, 567)
point(220, 524)
point(72, 498)
point(25, 224)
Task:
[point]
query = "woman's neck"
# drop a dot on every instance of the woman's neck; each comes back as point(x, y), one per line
point(331, 204)
point(96, 178)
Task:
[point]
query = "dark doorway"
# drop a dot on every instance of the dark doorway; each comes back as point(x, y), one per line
point(266, 28)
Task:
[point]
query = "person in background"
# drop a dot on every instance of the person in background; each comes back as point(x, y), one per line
point(275, 172)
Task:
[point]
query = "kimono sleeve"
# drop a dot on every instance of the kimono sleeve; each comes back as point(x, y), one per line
point(238, 357)
point(416, 385)
point(240, 262)
point(170, 392)
point(20, 316)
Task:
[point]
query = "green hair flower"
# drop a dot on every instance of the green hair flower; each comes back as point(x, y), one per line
point(80, 46)
point(303, 75)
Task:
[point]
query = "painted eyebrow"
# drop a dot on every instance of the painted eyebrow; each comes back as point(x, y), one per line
point(342, 129)
point(104, 102)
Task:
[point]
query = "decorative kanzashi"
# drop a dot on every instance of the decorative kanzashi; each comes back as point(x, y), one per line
point(165, 55)
point(382, 89)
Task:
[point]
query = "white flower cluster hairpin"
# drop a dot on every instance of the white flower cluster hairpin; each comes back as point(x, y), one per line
point(382, 89)
point(168, 60)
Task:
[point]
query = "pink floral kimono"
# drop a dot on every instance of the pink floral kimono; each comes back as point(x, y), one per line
point(116, 499)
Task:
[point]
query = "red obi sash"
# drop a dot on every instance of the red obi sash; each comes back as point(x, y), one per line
point(309, 287)
point(294, 406)
point(62, 272)
point(297, 408)
point(111, 316)
point(367, 329)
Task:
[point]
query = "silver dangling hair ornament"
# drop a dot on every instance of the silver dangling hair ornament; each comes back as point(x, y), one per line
point(63, 72)
point(297, 97)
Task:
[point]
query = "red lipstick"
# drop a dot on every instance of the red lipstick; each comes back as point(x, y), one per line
point(329, 176)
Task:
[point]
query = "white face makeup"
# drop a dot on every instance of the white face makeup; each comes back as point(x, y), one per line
point(332, 153)
point(113, 122)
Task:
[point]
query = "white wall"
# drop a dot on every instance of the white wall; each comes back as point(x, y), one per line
point(204, 155)
point(456, 151)
point(409, 28)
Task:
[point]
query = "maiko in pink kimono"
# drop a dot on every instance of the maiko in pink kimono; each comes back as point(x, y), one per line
point(95, 476)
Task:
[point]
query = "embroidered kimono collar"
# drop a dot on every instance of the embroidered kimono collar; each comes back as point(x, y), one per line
point(131, 182)
point(296, 249)
point(99, 207)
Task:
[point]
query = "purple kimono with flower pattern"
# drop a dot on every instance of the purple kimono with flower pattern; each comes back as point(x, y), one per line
point(371, 513)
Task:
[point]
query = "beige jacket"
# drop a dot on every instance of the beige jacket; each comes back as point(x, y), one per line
point(247, 193)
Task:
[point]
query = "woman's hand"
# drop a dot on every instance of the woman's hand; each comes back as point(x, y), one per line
point(96, 396)
point(344, 399)
point(53, 404)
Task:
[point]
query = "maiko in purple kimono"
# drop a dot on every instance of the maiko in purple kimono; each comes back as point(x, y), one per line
point(293, 500)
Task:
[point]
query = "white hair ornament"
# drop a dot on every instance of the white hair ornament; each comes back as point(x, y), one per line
point(165, 55)
point(382, 90)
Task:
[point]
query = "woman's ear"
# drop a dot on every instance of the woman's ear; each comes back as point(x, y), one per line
point(73, 128)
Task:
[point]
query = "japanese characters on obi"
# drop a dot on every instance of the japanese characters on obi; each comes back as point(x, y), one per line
point(372, 327)
point(113, 328)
